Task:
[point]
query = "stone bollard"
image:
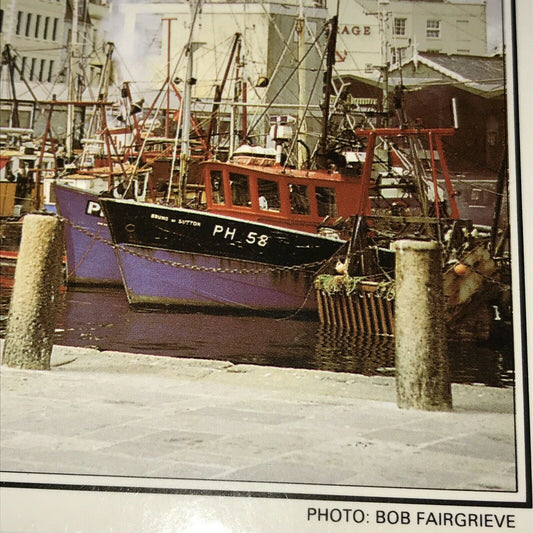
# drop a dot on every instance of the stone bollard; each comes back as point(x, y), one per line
point(32, 312)
point(422, 367)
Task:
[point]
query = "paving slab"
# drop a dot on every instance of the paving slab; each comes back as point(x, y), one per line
point(119, 414)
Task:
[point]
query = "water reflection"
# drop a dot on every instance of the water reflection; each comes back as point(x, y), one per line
point(102, 319)
point(340, 351)
point(481, 363)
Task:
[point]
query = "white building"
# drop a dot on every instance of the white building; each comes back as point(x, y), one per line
point(37, 35)
point(374, 33)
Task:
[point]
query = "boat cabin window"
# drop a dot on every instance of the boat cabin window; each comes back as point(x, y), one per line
point(141, 186)
point(240, 189)
point(268, 195)
point(476, 195)
point(326, 202)
point(299, 198)
point(217, 187)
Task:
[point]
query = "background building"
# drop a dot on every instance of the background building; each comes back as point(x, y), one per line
point(377, 39)
point(476, 84)
point(39, 53)
point(264, 66)
point(374, 33)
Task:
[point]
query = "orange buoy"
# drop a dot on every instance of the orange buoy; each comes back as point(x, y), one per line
point(460, 269)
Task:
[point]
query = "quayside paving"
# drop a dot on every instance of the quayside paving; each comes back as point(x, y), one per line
point(119, 414)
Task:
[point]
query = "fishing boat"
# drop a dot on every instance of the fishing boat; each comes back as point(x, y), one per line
point(263, 234)
point(261, 229)
point(104, 168)
point(89, 257)
point(255, 246)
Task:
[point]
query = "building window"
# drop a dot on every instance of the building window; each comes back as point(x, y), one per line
point(28, 24)
point(32, 68)
point(399, 26)
point(398, 54)
point(46, 24)
point(19, 22)
point(463, 33)
point(433, 29)
point(1, 19)
point(54, 30)
point(22, 67)
point(41, 70)
point(476, 196)
point(37, 24)
point(50, 70)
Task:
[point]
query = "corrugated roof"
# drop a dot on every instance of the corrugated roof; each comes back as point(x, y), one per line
point(483, 75)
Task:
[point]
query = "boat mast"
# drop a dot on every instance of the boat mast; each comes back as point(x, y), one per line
point(72, 78)
point(385, 63)
point(237, 97)
point(219, 89)
point(7, 59)
point(185, 148)
point(302, 89)
point(103, 87)
point(330, 61)
point(167, 121)
point(186, 115)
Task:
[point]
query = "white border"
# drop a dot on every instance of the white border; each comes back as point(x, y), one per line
point(25, 510)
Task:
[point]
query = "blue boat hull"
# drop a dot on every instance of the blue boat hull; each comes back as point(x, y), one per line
point(155, 279)
point(174, 257)
point(90, 257)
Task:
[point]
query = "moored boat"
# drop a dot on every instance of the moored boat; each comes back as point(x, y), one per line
point(175, 257)
point(255, 246)
point(262, 230)
point(90, 258)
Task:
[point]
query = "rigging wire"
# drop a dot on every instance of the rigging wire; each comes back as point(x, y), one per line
point(290, 76)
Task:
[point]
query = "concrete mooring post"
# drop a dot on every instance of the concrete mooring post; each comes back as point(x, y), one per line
point(32, 312)
point(422, 367)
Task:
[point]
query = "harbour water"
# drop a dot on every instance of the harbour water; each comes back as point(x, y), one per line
point(102, 319)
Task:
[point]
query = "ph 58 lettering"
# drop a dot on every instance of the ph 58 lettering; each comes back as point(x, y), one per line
point(230, 234)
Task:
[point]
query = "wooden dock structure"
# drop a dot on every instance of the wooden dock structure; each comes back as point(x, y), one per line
point(360, 307)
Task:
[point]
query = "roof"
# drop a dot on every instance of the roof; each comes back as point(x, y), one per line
point(482, 75)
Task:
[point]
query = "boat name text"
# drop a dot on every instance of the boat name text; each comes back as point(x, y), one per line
point(183, 221)
point(93, 209)
point(230, 233)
